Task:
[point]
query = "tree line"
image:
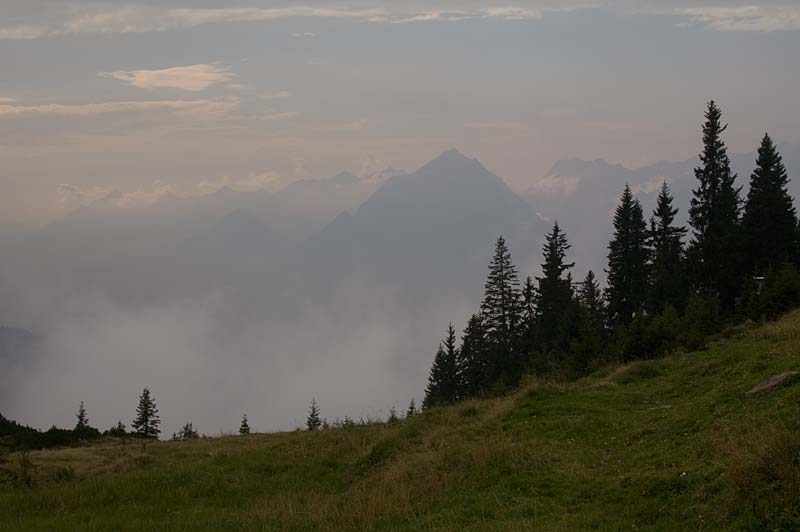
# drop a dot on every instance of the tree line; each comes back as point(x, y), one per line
point(740, 261)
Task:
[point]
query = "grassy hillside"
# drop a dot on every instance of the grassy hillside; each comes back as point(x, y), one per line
point(672, 444)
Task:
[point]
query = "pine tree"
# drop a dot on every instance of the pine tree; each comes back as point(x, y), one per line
point(770, 220)
point(714, 217)
point(627, 262)
point(443, 382)
point(392, 416)
point(83, 419)
point(411, 411)
point(527, 331)
point(590, 340)
point(147, 420)
point(555, 292)
point(473, 359)
point(313, 421)
point(187, 432)
point(668, 284)
point(244, 428)
point(502, 315)
point(591, 297)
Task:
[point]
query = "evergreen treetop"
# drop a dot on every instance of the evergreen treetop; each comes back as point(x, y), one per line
point(668, 283)
point(770, 220)
point(244, 428)
point(627, 261)
point(83, 419)
point(714, 217)
point(313, 421)
point(147, 421)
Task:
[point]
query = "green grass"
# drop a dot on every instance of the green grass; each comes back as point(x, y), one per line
point(671, 444)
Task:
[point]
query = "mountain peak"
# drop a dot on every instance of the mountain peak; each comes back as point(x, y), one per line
point(452, 160)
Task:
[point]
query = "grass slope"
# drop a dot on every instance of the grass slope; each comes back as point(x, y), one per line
point(671, 444)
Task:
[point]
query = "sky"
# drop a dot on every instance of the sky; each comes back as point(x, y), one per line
point(151, 98)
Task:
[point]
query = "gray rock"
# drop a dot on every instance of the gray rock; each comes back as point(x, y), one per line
point(774, 382)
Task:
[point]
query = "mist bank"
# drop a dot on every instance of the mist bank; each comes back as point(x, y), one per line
point(220, 311)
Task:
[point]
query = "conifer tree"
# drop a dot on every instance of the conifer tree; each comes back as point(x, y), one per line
point(187, 432)
point(83, 419)
point(392, 415)
point(313, 421)
point(244, 428)
point(591, 297)
point(473, 359)
point(502, 315)
point(627, 262)
point(411, 411)
point(770, 220)
point(590, 339)
point(555, 291)
point(443, 382)
point(668, 284)
point(527, 331)
point(714, 217)
point(147, 421)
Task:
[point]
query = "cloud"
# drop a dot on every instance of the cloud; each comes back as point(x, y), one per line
point(71, 196)
point(87, 19)
point(305, 35)
point(356, 125)
point(556, 185)
point(746, 18)
point(279, 116)
point(189, 78)
point(253, 182)
point(196, 107)
point(275, 95)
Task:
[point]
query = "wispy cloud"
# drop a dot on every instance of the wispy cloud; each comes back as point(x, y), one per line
point(279, 116)
point(210, 107)
point(71, 196)
point(253, 182)
point(142, 19)
point(356, 125)
point(189, 78)
point(280, 95)
point(746, 18)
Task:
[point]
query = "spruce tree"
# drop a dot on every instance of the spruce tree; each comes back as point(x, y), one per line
point(502, 315)
point(590, 340)
point(83, 419)
point(444, 383)
point(591, 297)
point(627, 262)
point(668, 284)
point(187, 432)
point(147, 421)
point(313, 421)
point(473, 359)
point(527, 332)
point(714, 217)
point(769, 222)
point(244, 428)
point(411, 411)
point(555, 292)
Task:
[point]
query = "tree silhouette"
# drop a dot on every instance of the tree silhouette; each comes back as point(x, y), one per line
point(147, 421)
